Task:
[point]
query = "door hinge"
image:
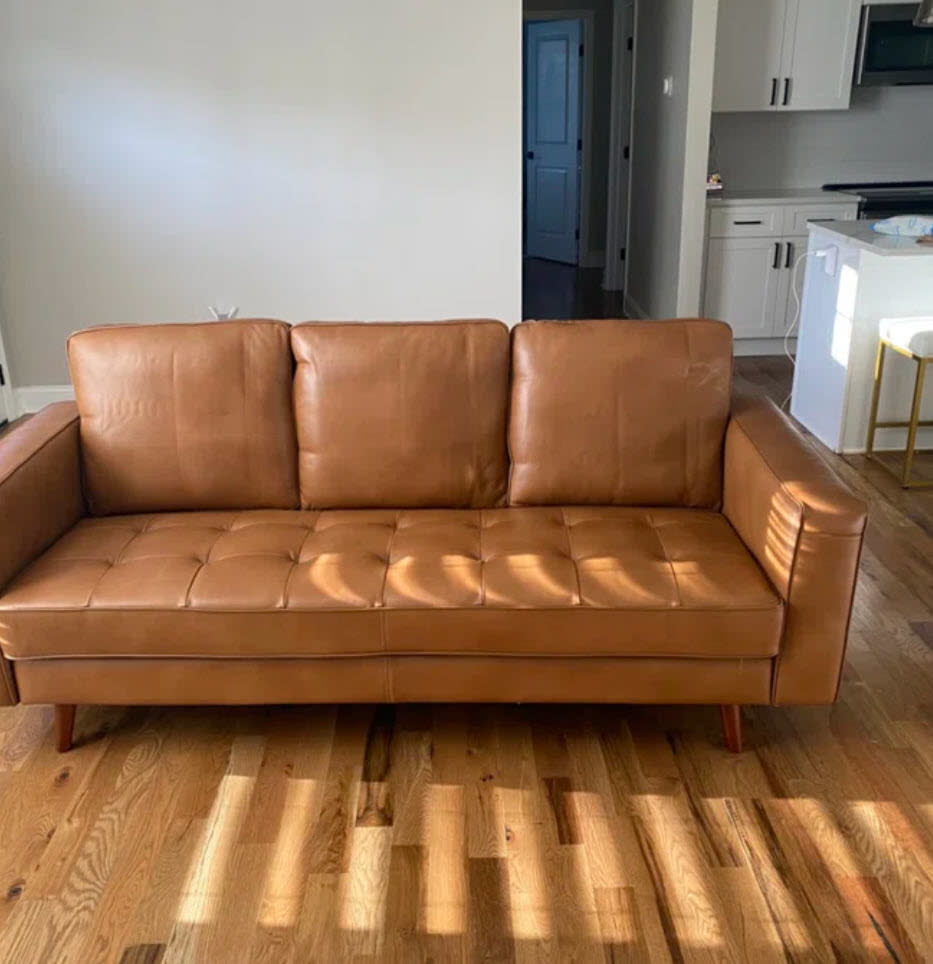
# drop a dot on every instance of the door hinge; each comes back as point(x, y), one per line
point(626, 152)
point(581, 50)
point(621, 254)
point(576, 234)
point(2, 378)
point(630, 43)
point(579, 143)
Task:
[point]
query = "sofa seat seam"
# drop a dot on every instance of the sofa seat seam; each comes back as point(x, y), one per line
point(384, 656)
point(778, 605)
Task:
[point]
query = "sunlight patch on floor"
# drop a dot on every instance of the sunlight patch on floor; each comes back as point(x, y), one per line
point(673, 849)
point(365, 887)
point(604, 867)
point(528, 895)
point(201, 894)
point(282, 893)
point(445, 883)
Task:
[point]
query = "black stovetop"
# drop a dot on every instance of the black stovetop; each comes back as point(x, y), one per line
point(885, 189)
point(881, 199)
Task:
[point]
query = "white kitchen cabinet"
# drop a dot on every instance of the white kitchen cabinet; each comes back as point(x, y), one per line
point(793, 249)
point(753, 245)
point(819, 54)
point(785, 55)
point(744, 284)
point(749, 48)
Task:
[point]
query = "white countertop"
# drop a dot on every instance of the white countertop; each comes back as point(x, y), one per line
point(800, 195)
point(859, 234)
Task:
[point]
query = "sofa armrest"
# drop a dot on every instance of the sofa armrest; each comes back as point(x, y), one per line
point(805, 528)
point(40, 497)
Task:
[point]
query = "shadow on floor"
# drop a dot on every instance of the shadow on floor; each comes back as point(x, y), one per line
point(551, 290)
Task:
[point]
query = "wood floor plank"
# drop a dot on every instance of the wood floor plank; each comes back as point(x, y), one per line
point(489, 930)
point(199, 914)
point(320, 936)
point(286, 835)
point(66, 927)
point(136, 860)
point(38, 818)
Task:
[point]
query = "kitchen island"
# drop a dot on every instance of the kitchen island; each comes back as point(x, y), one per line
point(855, 279)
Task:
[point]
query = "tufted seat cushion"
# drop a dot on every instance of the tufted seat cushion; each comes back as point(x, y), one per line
point(275, 583)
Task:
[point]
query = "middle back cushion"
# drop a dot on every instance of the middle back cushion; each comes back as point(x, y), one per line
point(401, 415)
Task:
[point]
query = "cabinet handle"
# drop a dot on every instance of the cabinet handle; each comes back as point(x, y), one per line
point(790, 254)
point(786, 100)
point(820, 220)
point(774, 89)
point(746, 222)
point(776, 263)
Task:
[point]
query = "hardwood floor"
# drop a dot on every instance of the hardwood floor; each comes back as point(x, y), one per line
point(498, 833)
point(554, 291)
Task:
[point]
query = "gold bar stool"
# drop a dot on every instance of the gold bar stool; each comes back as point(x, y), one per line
point(912, 338)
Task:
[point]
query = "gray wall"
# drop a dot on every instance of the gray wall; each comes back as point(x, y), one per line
point(887, 135)
point(674, 38)
point(301, 160)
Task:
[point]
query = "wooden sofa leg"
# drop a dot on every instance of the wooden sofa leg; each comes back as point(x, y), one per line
point(732, 726)
point(64, 726)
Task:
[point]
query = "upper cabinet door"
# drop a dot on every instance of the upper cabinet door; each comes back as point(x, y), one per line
point(750, 54)
point(819, 54)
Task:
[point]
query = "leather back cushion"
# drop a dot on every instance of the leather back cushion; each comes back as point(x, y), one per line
point(180, 417)
point(619, 412)
point(402, 415)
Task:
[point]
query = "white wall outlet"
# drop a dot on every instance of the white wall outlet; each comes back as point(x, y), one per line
point(830, 258)
point(223, 312)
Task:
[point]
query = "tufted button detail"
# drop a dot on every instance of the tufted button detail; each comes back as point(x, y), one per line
point(431, 574)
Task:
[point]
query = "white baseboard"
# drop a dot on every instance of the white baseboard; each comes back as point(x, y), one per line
point(31, 398)
point(632, 308)
point(743, 347)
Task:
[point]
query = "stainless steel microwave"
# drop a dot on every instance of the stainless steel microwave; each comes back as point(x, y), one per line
point(892, 49)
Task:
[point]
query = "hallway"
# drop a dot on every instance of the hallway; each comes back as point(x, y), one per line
point(555, 291)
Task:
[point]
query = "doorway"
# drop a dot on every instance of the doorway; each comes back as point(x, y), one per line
point(553, 141)
point(568, 139)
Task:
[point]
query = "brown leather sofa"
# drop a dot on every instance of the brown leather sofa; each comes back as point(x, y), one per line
point(245, 512)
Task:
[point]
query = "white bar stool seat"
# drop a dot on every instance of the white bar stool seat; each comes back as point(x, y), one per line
point(912, 335)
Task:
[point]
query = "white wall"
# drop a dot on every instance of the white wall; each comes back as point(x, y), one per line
point(887, 135)
point(299, 159)
point(674, 38)
point(696, 156)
